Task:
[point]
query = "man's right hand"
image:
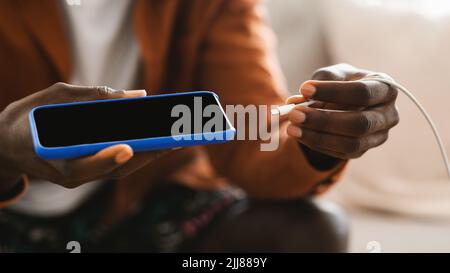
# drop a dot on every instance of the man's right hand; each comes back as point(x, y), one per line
point(17, 155)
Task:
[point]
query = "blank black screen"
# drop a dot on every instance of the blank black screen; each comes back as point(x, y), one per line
point(118, 120)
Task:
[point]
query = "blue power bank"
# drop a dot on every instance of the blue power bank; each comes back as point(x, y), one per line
point(78, 129)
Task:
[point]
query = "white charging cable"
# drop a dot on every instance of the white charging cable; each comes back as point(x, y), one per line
point(284, 109)
point(376, 77)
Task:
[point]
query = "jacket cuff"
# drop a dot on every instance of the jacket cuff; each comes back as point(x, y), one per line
point(14, 194)
point(335, 175)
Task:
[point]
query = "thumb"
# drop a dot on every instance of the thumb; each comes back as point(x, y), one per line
point(104, 92)
point(62, 93)
point(99, 165)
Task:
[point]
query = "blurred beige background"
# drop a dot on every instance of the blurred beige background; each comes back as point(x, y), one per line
point(399, 194)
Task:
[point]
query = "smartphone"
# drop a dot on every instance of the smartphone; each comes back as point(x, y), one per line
point(79, 129)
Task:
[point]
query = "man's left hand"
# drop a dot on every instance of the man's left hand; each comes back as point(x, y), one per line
point(352, 115)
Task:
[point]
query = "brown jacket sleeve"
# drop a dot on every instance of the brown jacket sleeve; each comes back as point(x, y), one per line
point(239, 63)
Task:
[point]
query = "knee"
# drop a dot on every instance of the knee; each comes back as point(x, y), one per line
point(287, 226)
point(305, 226)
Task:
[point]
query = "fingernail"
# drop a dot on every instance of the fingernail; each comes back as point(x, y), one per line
point(295, 99)
point(297, 116)
point(294, 131)
point(123, 157)
point(136, 93)
point(308, 90)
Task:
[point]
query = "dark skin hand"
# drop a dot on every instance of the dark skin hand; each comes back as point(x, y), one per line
point(17, 154)
point(365, 113)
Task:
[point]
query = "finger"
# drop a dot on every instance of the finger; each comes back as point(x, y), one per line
point(350, 146)
point(138, 161)
point(355, 93)
point(345, 123)
point(62, 92)
point(332, 153)
point(339, 72)
point(295, 99)
point(99, 165)
point(104, 92)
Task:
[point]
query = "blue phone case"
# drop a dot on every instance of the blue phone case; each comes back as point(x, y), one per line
point(138, 145)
